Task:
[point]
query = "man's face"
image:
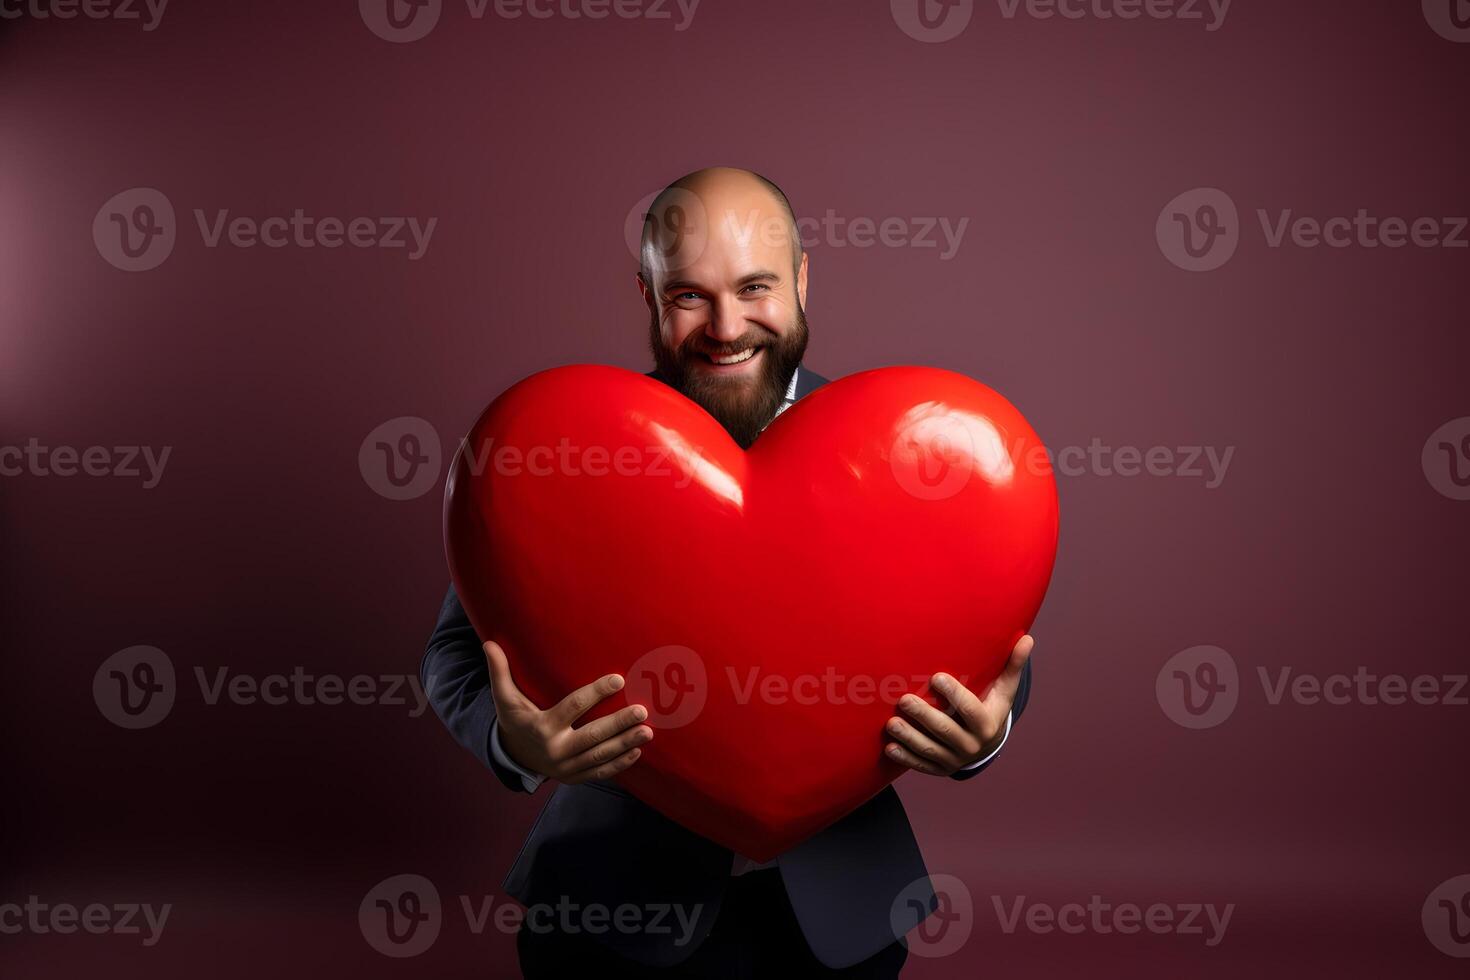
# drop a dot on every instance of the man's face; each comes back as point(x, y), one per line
point(727, 326)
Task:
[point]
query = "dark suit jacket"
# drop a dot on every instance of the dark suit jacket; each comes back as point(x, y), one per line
point(595, 845)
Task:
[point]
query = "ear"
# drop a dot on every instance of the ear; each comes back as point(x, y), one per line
point(647, 292)
point(801, 280)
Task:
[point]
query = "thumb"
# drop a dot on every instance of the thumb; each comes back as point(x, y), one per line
point(502, 688)
point(1010, 677)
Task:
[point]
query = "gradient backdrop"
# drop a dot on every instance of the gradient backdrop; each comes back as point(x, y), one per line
point(1101, 281)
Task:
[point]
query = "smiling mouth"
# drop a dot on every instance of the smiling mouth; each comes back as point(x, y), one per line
point(728, 360)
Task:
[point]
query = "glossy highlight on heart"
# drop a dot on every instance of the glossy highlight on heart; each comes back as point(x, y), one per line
point(769, 606)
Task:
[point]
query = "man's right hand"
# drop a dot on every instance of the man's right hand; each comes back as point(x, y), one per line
point(545, 741)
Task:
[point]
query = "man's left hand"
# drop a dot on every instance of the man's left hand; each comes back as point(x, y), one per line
point(937, 743)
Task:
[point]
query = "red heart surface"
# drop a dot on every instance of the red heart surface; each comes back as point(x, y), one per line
point(768, 606)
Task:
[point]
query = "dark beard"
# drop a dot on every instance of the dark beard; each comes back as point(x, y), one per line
point(743, 408)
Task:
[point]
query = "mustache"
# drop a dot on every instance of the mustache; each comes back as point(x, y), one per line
point(697, 344)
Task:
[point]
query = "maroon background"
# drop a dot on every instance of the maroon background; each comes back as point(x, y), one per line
point(263, 548)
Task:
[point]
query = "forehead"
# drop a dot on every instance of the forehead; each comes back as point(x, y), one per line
point(716, 237)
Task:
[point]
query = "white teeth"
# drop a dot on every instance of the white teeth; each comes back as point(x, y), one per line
point(733, 358)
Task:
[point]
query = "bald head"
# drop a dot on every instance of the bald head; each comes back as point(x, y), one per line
point(723, 273)
point(710, 201)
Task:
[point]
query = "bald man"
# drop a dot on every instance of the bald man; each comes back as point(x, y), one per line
point(612, 887)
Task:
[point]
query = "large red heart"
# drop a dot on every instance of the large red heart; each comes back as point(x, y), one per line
point(768, 606)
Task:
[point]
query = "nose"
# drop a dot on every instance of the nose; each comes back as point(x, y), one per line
point(726, 324)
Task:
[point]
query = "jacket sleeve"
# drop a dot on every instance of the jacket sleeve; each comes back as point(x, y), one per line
point(457, 681)
point(1023, 695)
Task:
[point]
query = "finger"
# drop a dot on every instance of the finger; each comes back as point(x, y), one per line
point(902, 755)
point(967, 706)
point(921, 745)
point(1003, 691)
point(607, 770)
point(946, 730)
point(609, 750)
point(605, 728)
point(502, 688)
point(580, 701)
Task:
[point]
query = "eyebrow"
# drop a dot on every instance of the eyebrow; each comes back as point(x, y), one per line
point(682, 285)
